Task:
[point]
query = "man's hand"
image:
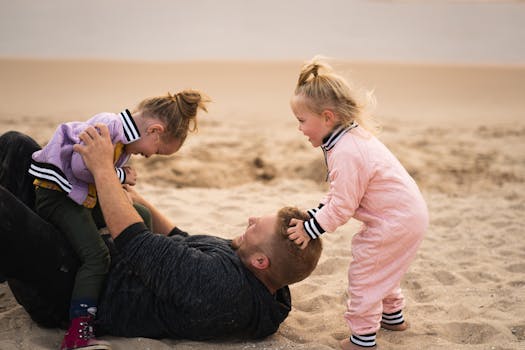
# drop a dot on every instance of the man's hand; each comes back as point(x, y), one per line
point(297, 234)
point(97, 150)
point(131, 175)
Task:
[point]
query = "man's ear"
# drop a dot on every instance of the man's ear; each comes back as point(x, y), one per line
point(329, 117)
point(260, 261)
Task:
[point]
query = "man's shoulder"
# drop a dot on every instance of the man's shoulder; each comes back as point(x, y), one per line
point(205, 242)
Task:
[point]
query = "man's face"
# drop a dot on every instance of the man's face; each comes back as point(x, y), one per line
point(258, 232)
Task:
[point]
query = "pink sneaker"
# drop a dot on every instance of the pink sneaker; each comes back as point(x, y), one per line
point(80, 336)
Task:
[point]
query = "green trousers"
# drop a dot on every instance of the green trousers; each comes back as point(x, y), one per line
point(80, 226)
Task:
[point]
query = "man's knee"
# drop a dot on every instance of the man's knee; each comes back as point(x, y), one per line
point(144, 213)
point(98, 260)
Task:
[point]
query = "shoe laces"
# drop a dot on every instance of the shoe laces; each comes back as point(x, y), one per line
point(85, 330)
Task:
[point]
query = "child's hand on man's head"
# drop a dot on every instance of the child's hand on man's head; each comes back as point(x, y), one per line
point(131, 175)
point(297, 233)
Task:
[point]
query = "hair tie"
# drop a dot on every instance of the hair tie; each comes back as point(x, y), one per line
point(315, 70)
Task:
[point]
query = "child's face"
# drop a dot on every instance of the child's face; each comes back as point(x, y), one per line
point(314, 126)
point(151, 144)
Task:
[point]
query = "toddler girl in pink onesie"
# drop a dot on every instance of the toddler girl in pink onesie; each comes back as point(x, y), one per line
point(369, 184)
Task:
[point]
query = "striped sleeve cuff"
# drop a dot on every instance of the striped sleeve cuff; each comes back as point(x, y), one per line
point(314, 211)
point(313, 228)
point(121, 174)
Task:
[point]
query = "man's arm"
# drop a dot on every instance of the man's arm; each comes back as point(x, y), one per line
point(97, 153)
point(161, 224)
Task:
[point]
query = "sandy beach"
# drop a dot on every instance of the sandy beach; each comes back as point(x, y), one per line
point(458, 129)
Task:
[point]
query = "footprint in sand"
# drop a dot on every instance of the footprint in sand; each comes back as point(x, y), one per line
point(518, 331)
point(330, 265)
point(479, 277)
point(467, 333)
point(517, 268)
point(445, 277)
point(412, 286)
point(517, 284)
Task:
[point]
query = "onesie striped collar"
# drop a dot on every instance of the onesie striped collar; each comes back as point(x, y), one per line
point(330, 140)
point(131, 132)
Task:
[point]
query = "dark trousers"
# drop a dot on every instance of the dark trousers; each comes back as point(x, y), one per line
point(80, 226)
point(38, 262)
point(77, 224)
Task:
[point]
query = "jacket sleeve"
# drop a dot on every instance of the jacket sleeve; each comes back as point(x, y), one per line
point(348, 182)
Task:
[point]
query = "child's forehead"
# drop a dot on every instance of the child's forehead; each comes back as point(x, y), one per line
point(299, 99)
point(302, 105)
point(299, 102)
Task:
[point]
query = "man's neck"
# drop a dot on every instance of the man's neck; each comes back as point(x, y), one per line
point(263, 277)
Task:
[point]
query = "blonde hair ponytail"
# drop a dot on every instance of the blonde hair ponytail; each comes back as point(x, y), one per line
point(323, 89)
point(178, 111)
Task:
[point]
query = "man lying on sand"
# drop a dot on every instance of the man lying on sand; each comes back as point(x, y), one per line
point(169, 284)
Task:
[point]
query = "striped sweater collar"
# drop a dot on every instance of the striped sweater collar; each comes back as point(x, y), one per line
point(131, 131)
point(332, 138)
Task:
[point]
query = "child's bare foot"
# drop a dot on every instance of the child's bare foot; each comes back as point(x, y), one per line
point(395, 327)
point(346, 344)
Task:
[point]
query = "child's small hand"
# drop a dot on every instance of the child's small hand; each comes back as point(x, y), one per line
point(297, 234)
point(133, 195)
point(131, 175)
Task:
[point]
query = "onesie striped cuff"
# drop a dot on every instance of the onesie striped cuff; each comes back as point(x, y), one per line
point(314, 211)
point(366, 341)
point(313, 228)
point(393, 318)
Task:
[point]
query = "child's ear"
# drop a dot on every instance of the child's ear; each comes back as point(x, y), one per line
point(155, 128)
point(329, 117)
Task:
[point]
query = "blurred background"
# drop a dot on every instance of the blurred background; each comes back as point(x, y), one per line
point(449, 78)
point(435, 31)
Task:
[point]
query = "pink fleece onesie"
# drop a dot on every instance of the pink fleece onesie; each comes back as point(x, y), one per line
point(368, 183)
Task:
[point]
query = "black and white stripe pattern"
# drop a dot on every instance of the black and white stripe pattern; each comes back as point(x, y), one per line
point(330, 140)
point(130, 128)
point(366, 341)
point(313, 228)
point(121, 174)
point(50, 173)
point(393, 318)
point(314, 211)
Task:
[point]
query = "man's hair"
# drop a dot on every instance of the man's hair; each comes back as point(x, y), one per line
point(288, 262)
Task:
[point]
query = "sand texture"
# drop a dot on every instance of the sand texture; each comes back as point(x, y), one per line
point(459, 130)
